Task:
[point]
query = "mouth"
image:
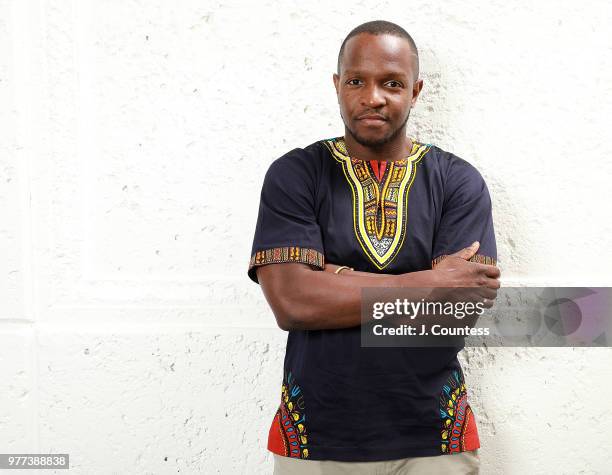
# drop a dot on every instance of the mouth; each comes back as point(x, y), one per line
point(374, 120)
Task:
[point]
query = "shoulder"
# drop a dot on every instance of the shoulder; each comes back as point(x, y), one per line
point(454, 171)
point(449, 163)
point(298, 168)
point(306, 160)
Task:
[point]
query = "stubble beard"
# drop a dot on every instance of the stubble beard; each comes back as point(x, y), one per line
point(378, 142)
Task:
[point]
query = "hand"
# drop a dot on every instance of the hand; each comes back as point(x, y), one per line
point(456, 270)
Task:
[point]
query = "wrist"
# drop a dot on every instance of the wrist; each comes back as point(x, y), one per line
point(341, 269)
point(330, 267)
point(435, 278)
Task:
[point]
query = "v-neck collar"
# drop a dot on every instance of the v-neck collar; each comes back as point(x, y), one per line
point(341, 147)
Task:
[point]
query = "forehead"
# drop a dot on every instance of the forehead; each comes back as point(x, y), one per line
point(378, 53)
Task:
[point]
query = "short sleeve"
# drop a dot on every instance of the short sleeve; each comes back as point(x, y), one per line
point(287, 229)
point(466, 215)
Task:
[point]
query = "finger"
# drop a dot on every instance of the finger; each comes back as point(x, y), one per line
point(486, 303)
point(471, 294)
point(486, 281)
point(488, 270)
point(467, 252)
point(487, 293)
point(477, 294)
point(487, 297)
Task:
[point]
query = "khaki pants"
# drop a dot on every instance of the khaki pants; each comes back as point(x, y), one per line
point(463, 463)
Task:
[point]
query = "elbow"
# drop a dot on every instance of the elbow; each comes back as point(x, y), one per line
point(292, 316)
point(284, 289)
point(285, 323)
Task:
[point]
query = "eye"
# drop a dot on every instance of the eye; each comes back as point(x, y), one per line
point(395, 84)
point(353, 82)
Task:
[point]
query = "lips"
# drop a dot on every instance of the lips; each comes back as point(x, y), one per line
point(372, 120)
point(371, 117)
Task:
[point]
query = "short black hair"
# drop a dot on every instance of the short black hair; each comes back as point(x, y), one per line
point(380, 27)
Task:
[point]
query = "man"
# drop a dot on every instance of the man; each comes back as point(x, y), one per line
point(373, 208)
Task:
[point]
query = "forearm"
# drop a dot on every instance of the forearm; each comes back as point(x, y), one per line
point(321, 300)
point(334, 267)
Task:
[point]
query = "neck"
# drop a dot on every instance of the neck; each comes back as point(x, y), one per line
point(396, 149)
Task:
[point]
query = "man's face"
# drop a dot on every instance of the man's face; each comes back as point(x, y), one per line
point(377, 87)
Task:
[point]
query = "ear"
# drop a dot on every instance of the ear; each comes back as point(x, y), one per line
point(336, 82)
point(416, 90)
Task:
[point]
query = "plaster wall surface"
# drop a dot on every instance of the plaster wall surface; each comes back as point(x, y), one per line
point(135, 138)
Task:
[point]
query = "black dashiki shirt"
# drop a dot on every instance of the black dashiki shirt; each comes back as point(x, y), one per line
point(339, 400)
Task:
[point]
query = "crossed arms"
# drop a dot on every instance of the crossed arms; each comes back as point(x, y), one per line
point(302, 298)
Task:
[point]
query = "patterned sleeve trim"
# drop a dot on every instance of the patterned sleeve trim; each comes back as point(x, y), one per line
point(480, 258)
point(279, 255)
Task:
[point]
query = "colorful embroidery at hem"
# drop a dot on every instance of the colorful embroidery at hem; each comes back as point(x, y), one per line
point(480, 258)
point(380, 208)
point(287, 436)
point(458, 428)
point(278, 255)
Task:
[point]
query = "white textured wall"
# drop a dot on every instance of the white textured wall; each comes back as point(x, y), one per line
point(135, 136)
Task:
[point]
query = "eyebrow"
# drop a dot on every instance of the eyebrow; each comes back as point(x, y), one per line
point(351, 72)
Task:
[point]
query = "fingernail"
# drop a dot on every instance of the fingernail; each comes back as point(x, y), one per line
point(475, 243)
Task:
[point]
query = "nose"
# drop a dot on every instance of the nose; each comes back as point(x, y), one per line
point(373, 97)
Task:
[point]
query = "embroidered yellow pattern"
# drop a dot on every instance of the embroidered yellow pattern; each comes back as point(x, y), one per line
point(480, 258)
point(380, 210)
point(287, 254)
